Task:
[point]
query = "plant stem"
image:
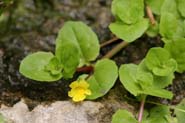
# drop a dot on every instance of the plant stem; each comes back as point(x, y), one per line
point(87, 69)
point(150, 15)
point(141, 110)
point(105, 43)
point(116, 49)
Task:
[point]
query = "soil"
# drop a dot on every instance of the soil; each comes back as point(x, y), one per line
point(32, 25)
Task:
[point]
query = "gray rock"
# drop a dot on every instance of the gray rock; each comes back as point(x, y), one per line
point(57, 112)
point(68, 112)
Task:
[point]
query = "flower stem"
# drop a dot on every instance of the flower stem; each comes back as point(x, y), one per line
point(141, 110)
point(116, 49)
point(150, 15)
point(105, 43)
point(86, 69)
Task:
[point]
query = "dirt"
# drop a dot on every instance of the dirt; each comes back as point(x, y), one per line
point(33, 26)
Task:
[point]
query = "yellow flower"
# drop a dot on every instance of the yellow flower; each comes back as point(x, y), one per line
point(79, 90)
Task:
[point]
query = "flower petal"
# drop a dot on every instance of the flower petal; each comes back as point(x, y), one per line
point(83, 84)
point(74, 84)
point(72, 93)
point(88, 92)
point(79, 90)
point(78, 98)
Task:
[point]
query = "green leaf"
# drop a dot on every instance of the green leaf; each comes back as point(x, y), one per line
point(123, 116)
point(76, 44)
point(180, 112)
point(128, 11)
point(129, 77)
point(158, 81)
point(145, 79)
point(127, 74)
point(159, 61)
point(54, 66)
point(82, 37)
point(2, 120)
point(158, 92)
point(33, 67)
point(153, 30)
point(129, 33)
point(158, 114)
point(103, 79)
point(177, 51)
point(170, 6)
point(168, 25)
point(69, 58)
point(181, 8)
point(163, 81)
point(155, 5)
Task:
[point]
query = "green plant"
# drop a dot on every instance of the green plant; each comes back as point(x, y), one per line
point(158, 114)
point(180, 111)
point(73, 49)
point(177, 50)
point(130, 22)
point(76, 47)
point(150, 77)
point(156, 70)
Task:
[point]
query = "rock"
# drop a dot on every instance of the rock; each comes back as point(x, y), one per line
point(57, 112)
point(14, 114)
point(61, 112)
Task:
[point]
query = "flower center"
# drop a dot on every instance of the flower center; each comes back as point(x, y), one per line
point(80, 90)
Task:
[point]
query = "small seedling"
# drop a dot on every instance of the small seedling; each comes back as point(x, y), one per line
point(76, 46)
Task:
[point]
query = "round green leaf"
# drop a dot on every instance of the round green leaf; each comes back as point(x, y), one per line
point(127, 75)
point(129, 33)
point(137, 86)
point(123, 116)
point(170, 6)
point(177, 51)
point(33, 67)
point(128, 11)
point(159, 61)
point(82, 37)
point(103, 79)
point(158, 81)
point(168, 25)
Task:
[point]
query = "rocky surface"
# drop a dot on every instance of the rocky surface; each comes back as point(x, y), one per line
point(58, 112)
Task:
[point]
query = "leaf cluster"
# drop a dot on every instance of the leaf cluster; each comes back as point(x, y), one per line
point(158, 114)
point(130, 23)
point(73, 48)
point(76, 46)
point(151, 76)
point(170, 15)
